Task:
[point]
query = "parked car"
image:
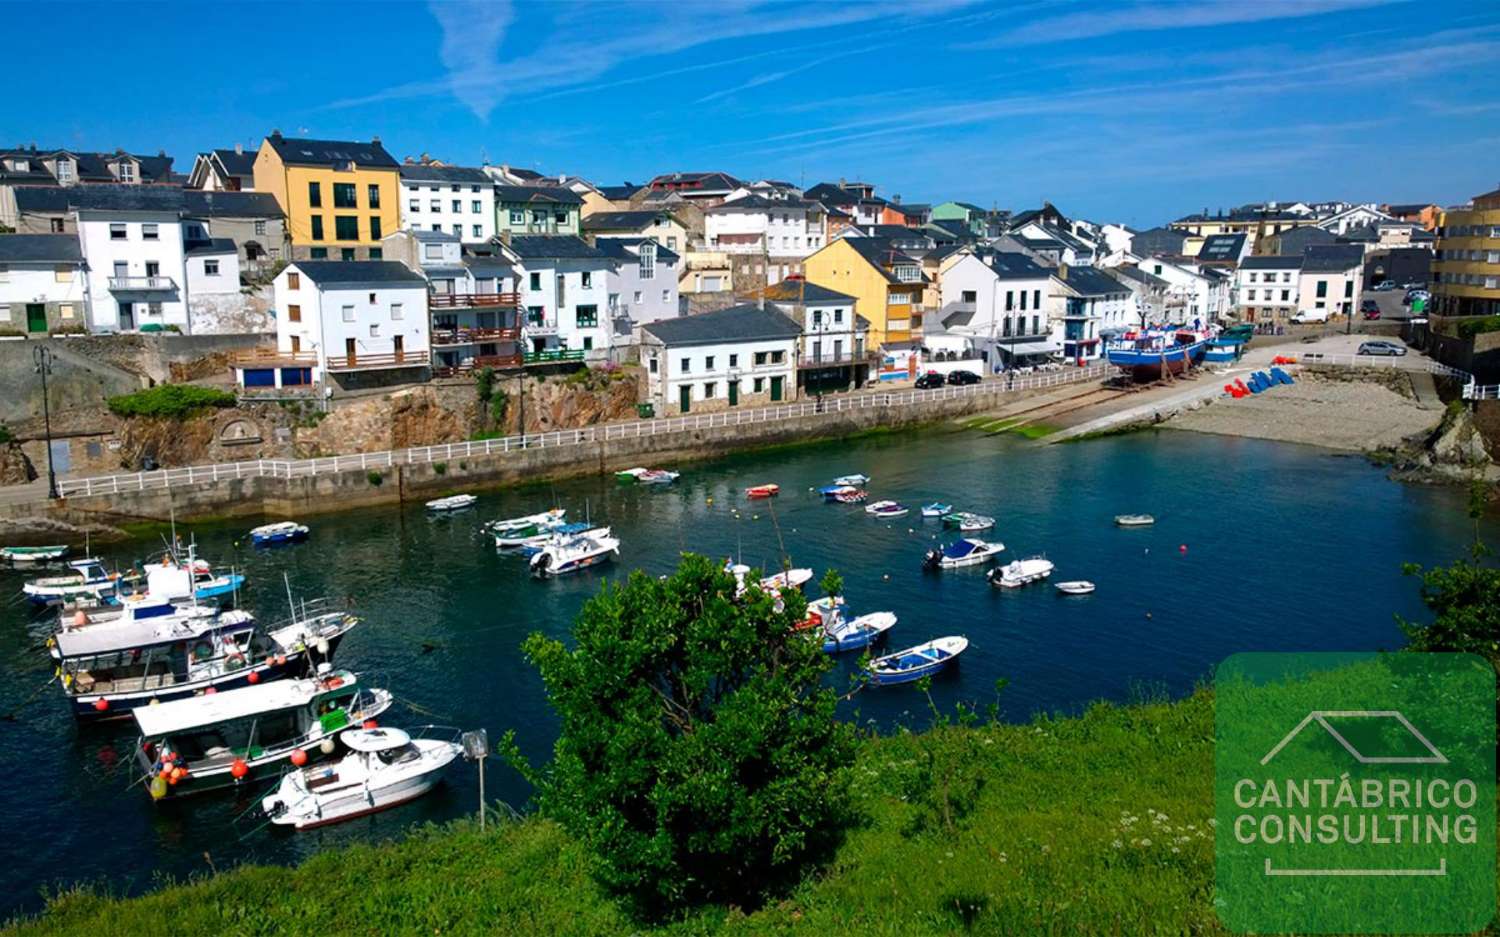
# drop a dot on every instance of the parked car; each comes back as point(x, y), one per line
point(962, 377)
point(1414, 295)
point(929, 380)
point(1414, 285)
point(1310, 315)
point(1382, 348)
point(1370, 308)
point(1384, 286)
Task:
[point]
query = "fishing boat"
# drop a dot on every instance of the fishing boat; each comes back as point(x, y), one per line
point(222, 739)
point(109, 670)
point(1147, 355)
point(856, 633)
point(1134, 520)
point(384, 768)
point(786, 579)
point(762, 491)
point(88, 579)
point(843, 494)
point(21, 555)
point(821, 613)
point(967, 521)
point(569, 553)
point(970, 551)
point(1243, 331)
point(914, 663)
point(178, 578)
point(537, 535)
point(270, 535)
point(1075, 587)
point(645, 476)
point(1018, 573)
point(545, 519)
point(936, 509)
point(855, 479)
point(452, 503)
point(1224, 349)
point(887, 509)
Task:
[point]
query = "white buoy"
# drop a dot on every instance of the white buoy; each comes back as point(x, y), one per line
point(326, 746)
point(322, 647)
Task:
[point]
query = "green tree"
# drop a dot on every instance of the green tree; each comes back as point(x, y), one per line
point(1464, 599)
point(700, 757)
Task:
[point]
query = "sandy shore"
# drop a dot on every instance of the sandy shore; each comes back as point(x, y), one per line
point(1350, 416)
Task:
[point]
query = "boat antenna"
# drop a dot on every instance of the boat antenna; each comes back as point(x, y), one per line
point(290, 602)
point(786, 561)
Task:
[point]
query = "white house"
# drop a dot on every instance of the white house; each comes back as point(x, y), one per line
point(1116, 237)
point(344, 321)
point(448, 198)
point(742, 355)
point(564, 293)
point(212, 273)
point(135, 269)
point(1192, 295)
point(999, 302)
point(1331, 279)
point(42, 287)
point(642, 282)
point(1356, 216)
point(833, 352)
point(754, 224)
point(1267, 288)
point(1094, 304)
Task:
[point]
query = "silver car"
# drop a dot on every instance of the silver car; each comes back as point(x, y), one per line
point(1381, 348)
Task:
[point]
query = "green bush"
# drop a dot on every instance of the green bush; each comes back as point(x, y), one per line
point(1469, 328)
point(700, 757)
point(5, 434)
point(440, 467)
point(375, 478)
point(70, 330)
point(170, 400)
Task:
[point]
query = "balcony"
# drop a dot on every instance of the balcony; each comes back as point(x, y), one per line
point(271, 358)
point(468, 336)
point(473, 300)
point(142, 285)
point(497, 362)
point(540, 328)
point(828, 359)
point(358, 362)
point(553, 357)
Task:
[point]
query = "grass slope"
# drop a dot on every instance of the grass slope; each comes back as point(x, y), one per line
point(1096, 824)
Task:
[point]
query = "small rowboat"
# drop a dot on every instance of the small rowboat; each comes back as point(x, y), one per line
point(1075, 587)
point(861, 632)
point(20, 555)
point(762, 491)
point(887, 509)
point(268, 535)
point(545, 519)
point(1134, 520)
point(914, 663)
point(967, 521)
point(936, 509)
point(1018, 573)
point(855, 479)
point(452, 503)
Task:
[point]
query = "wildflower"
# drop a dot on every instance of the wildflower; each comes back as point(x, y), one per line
point(1117, 844)
point(1145, 842)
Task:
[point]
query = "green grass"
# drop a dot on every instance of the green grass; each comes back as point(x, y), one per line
point(175, 401)
point(1046, 848)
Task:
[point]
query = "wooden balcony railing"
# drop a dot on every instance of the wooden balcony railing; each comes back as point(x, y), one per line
point(465, 336)
point(358, 362)
point(498, 362)
point(472, 300)
point(550, 357)
point(270, 357)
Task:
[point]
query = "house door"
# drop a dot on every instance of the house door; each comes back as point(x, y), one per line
point(398, 348)
point(776, 388)
point(62, 456)
point(36, 317)
point(685, 398)
point(296, 344)
point(349, 351)
point(734, 393)
point(127, 316)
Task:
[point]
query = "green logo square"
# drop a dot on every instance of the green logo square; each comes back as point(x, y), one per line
point(1355, 793)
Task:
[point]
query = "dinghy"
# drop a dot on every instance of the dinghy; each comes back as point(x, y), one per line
point(887, 509)
point(936, 509)
point(1134, 520)
point(569, 553)
point(270, 535)
point(88, 579)
point(857, 633)
point(1018, 573)
point(855, 479)
point(1075, 587)
point(451, 503)
point(914, 663)
point(537, 535)
point(544, 519)
point(762, 491)
point(21, 555)
point(645, 476)
point(384, 768)
point(970, 551)
point(967, 521)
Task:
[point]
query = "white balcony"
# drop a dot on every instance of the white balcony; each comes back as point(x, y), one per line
point(142, 284)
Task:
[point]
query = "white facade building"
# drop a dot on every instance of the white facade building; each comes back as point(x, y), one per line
point(754, 224)
point(1001, 302)
point(136, 271)
point(743, 355)
point(450, 199)
point(1267, 288)
point(1354, 217)
point(564, 296)
point(42, 286)
point(1191, 295)
point(642, 282)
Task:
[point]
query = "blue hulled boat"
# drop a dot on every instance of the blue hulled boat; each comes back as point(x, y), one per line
point(914, 663)
point(1147, 355)
point(270, 535)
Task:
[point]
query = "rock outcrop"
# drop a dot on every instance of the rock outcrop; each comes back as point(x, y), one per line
point(15, 468)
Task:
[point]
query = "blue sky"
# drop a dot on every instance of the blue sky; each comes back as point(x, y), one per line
point(1136, 112)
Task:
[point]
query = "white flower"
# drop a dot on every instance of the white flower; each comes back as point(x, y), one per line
point(1117, 844)
point(1145, 842)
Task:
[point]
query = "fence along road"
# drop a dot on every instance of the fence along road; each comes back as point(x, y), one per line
point(366, 461)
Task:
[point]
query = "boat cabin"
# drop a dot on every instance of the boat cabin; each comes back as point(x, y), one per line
point(144, 655)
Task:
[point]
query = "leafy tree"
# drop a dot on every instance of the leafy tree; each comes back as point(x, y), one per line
point(700, 758)
point(1465, 601)
point(832, 583)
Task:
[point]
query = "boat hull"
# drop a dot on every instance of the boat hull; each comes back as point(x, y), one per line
point(897, 678)
point(276, 540)
point(1147, 366)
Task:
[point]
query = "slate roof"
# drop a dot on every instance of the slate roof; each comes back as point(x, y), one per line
point(40, 248)
point(618, 220)
point(90, 167)
point(619, 193)
point(553, 246)
point(1140, 276)
point(706, 181)
point(446, 174)
point(1090, 281)
point(210, 246)
point(236, 164)
point(1415, 208)
point(299, 151)
point(537, 195)
point(1303, 236)
point(1332, 258)
point(897, 232)
point(1222, 247)
point(348, 272)
point(621, 249)
point(1157, 241)
point(803, 291)
point(1009, 265)
point(759, 201)
point(881, 253)
point(192, 202)
point(743, 323)
point(1242, 214)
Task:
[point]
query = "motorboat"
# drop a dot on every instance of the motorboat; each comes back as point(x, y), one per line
point(87, 579)
point(887, 509)
point(855, 479)
point(1134, 520)
point(1075, 587)
point(384, 768)
point(914, 663)
point(537, 535)
point(786, 579)
point(852, 495)
point(645, 476)
point(821, 613)
point(222, 739)
point(853, 634)
point(762, 491)
point(22, 555)
point(968, 521)
point(936, 509)
point(545, 519)
point(1018, 573)
point(177, 579)
point(569, 553)
point(452, 503)
point(270, 535)
point(968, 551)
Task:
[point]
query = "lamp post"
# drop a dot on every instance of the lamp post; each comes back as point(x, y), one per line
point(42, 356)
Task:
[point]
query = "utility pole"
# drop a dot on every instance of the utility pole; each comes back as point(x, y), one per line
point(42, 355)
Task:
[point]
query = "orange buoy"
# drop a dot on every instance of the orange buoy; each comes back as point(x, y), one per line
point(253, 677)
point(239, 769)
point(298, 757)
point(101, 704)
point(370, 724)
point(1182, 549)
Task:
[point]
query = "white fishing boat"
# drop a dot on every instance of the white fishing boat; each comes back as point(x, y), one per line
point(646, 476)
point(787, 579)
point(1134, 520)
point(384, 768)
point(852, 634)
point(855, 479)
point(536, 535)
point(1018, 573)
point(969, 551)
point(452, 503)
point(88, 579)
point(936, 509)
point(1075, 587)
point(270, 535)
point(571, 552)
point(914, 663)
point(887, 509)
point(967, 521)
point(19, 556)
point(545, 518)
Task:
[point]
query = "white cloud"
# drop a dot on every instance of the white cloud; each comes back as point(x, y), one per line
point(1151, 17)
point(472, 33)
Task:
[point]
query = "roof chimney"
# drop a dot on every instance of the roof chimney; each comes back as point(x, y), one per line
point(374, 141)
point(841, 182)
point(239, 148)
point(276, 134)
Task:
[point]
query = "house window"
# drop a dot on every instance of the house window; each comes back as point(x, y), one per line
point(64, 171)
point(346, 253)
point(153, 309)
point(210, 268)
point(294, 313)
point(315, 195)
point(150, 232)
point(536, 281)
point(375, 229)
point(346, 227)
point(708, 391)
point(760, 385)
point(560, 217)
point(1322, 288)
point(760, 358)
point(1348, 289)
point(1006, 327)
point(57, 226)
point(415, 205)
point(777, 357)
point(373, 191)
point(478, 231)
point(435, 205)
point(1010, 300)
point(343, 195)
point(588, 279)
point(539, 218)
point(708, 363)
point(671, 243)
point(348, 313)
point(458, 206)
point(1036, 299)
point(117, 232)
point(651, 366)
point(397, 312)
point(260, 228)
point(517, 216)
point(65, 310)
point(666, 296)
point(317, 227)
point(1023, 300)
point(458, 230)
point(734, 361)
point(127, 173)
point(294, 280)
point(817, 318)
point(62, 273)
point(687, 365)
point(1036, 325)
point(432, 252)
point(970, 296)
point(639, 297)
point(588, 316)
point(476, 206)
point(319, 253)
point(374, 329)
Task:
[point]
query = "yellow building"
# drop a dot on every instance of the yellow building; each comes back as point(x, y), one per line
point(886, 284)
point(340, 197)
point(1253, 223)
point(1466, 270)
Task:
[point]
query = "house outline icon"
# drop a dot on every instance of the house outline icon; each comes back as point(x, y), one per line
point(1321, 717)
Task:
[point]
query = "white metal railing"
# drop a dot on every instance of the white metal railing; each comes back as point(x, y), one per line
point(1396, 362)
point(1484, 392)
point(368, 461)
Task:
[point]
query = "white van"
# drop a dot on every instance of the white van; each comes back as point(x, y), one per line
point(1310, 315)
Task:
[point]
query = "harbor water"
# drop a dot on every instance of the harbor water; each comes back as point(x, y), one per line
point(1257, 546)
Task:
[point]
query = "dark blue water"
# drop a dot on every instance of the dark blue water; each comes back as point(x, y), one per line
point(1287, 548)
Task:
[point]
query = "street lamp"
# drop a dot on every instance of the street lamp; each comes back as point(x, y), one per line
point(42, 356)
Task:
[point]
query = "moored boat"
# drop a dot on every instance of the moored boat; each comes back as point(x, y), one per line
point(1134, 520)
point(855, 479)
point(855, 633)
point(517, 538)
point(969, 551)
point(763, 491)
point(936, 509)
point(1149, 354)
point(968, 521)
point(571, 552)
point(88, 579)
point(545, 518)
point(384, 768)
point(887, 509)
point(1224, 349)
point(645, 476)
point(914, 663)
point(1021, 572)
point(451, 503)
point(1075, 587)
point(270, 535)
point(22, 555)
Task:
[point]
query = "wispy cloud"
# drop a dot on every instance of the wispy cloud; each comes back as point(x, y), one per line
point(766, 78)
point(472, 33)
